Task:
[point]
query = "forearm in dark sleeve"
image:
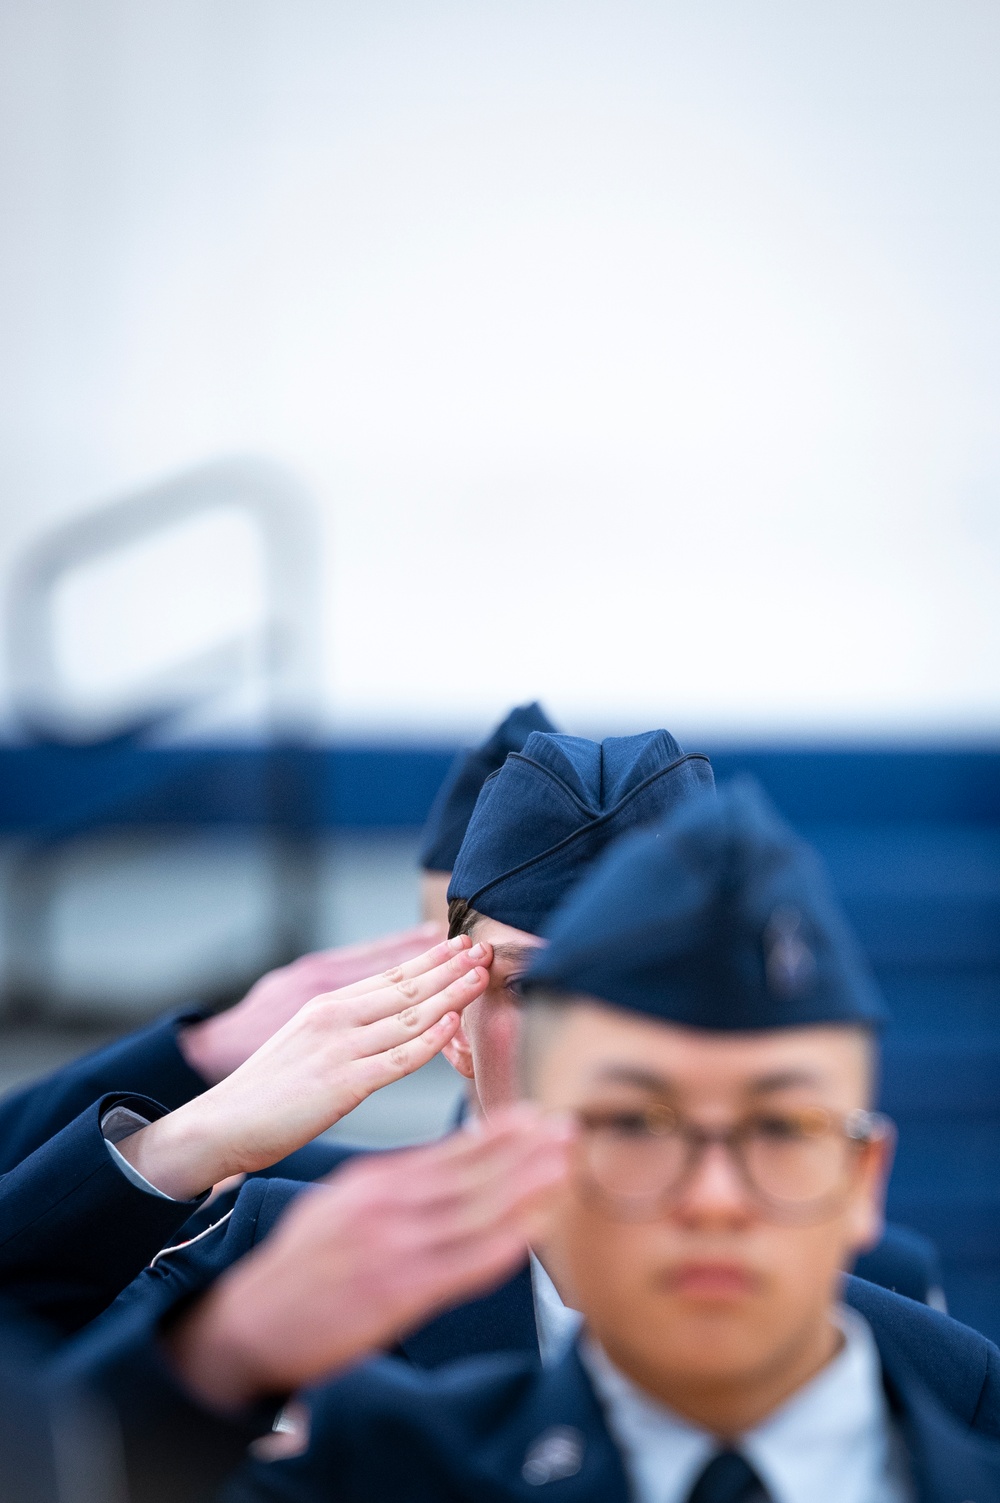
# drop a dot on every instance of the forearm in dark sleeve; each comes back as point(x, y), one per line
point(73, 1230)
point(146, 1063)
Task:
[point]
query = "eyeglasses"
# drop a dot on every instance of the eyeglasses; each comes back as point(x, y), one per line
point(796, 1164)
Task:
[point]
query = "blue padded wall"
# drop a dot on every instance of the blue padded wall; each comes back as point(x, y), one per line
point(912, 841)
point(926, 901)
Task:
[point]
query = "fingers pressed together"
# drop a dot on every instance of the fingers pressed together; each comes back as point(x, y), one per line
point(328, 1057)
point(361, 1258)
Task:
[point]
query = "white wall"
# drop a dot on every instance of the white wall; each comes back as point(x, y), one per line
point(641, 356)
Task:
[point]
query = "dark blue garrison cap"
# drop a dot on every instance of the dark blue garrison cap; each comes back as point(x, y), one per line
point(554, 806)
point(446, 824)
point(719, 917)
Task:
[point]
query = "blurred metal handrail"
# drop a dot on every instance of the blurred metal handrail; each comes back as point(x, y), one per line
point(264, 493)
point(289, 637)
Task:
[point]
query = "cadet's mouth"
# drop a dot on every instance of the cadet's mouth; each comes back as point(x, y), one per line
point(711, 1279)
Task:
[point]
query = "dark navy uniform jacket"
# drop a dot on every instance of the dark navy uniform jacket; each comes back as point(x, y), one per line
point(105, 1419)
point(383, 1433)
point(461, 1433)
point(480, 1431)
point(73, 1230)
point(146, 1063)
point(73, 1233)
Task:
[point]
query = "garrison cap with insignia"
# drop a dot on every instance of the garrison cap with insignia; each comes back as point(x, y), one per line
point(554, 806)
point(719, 917)
point(456, 798)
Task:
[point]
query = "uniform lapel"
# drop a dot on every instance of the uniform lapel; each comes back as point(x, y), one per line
point(557, 1435)
point(950, 1462)
point(503, 1321)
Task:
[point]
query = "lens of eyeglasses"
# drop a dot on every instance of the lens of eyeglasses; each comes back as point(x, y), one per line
point(794, 1158)
point(635, 1157)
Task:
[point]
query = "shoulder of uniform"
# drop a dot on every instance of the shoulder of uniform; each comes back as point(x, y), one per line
point(959, 1365)
point(229, 1233)
point(265, 1199)
point(890, 1312)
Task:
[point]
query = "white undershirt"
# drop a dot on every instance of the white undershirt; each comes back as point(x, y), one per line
point(556, 1324)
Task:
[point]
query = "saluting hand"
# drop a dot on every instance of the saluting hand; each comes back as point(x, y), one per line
point(375, 1251)
point(336, 1050)
point(219, 1045)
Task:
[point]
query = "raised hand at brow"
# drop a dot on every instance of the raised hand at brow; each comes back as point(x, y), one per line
point(218, 1045)
point(335, 1051)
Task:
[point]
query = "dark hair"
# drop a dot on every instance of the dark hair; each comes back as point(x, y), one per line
point(460, 918)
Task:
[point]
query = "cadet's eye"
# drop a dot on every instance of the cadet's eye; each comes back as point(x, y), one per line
point(626, 1124)
point(514, 985)
point(781, 1129)
point(632, 1124)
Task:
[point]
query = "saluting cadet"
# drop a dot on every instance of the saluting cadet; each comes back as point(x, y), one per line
point(537, 825)
point(446, 824)
point(705, 1017)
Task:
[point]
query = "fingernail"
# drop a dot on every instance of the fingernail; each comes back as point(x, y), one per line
point(458, 943)
point(477, 952)
point(473, 976)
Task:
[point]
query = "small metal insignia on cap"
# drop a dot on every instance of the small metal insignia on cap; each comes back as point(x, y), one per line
point(556, 1453)
point(791, 964)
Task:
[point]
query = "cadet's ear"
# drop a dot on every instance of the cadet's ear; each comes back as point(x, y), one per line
point(459, 1054)
point(868, 1209)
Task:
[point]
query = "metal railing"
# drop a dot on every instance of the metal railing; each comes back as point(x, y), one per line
point(279, 653)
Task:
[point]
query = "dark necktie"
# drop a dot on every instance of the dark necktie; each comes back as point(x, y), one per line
point(728, 1479)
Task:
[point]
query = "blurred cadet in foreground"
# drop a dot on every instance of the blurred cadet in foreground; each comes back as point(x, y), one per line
point(452, 808)
point(129, 1413)
point(704, 1015)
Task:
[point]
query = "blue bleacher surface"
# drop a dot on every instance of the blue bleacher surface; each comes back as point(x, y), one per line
point(925, 899)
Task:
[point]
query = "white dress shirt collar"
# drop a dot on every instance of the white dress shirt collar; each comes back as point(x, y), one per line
point(832, 1442)
point(556, 1325)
